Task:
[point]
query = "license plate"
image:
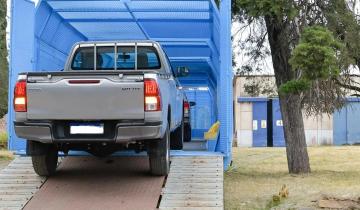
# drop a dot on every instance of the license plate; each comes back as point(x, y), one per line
point(86, 128)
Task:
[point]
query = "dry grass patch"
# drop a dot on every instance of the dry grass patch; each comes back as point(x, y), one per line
point(6, 155)
point(5, 158)
point(3, 140)
point(258, 174)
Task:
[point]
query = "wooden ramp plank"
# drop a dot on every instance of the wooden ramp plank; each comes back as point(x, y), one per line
point(18, 183)
point(194, 183)
point(192, 208)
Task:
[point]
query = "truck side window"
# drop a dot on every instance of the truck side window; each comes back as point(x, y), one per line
point(125, 58)
point(105, 58)
point(148, 58)
point(83, 59)
point(171, 67)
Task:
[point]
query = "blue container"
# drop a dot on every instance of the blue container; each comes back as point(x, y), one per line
point(346, 123)
point(189, 31)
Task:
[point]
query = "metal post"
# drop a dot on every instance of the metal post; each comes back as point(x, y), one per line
point(225, 83)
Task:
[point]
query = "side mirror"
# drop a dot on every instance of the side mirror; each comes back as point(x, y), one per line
point(182, 72)
point(192, 103)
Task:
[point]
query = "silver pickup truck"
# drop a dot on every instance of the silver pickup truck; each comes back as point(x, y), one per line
point(111, 96)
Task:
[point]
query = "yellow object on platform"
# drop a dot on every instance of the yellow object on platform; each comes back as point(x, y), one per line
point(212, 132)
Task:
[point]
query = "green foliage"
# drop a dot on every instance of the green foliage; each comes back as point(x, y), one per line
point(295, 86)
point(343, 23)
point(3, 60)
point(317, 57)
point(317, 54)
point(260, 8)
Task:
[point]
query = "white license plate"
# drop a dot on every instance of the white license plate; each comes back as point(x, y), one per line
point(87, 128)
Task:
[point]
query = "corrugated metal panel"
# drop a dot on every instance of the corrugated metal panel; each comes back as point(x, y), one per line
point(353, 121)
point(318, 129)
point(346, 124)
point(225, 89)
point(202, 115)
point(21, 57)
point(340, 127)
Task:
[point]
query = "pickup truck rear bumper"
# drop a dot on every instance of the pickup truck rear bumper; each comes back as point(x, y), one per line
point(124, 133)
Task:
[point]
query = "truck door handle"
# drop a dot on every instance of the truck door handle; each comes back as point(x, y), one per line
point(84, 81)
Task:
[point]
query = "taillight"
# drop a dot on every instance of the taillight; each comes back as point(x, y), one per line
point(20, 100)
point(186, 107)
point(151, 96)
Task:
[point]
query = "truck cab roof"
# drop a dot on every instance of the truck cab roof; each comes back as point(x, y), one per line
point(130, 42)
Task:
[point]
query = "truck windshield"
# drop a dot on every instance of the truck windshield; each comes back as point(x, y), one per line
point(121, 59)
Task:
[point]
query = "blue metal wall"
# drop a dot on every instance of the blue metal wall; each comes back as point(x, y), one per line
point(21, 57)
point(278, 129)
point(203, 114)
point(346, 123)
point(189, 31)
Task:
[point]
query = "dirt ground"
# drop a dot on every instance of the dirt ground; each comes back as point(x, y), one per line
point(257, 175)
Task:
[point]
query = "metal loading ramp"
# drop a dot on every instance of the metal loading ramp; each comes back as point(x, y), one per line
point(194, 182)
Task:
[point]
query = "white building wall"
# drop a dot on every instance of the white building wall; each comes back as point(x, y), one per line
point(318, 129)
point(244, 129)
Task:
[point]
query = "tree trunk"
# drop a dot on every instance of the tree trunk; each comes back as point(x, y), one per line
point(281, 37)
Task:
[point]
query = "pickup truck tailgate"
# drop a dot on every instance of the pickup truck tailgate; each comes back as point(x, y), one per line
point(84, 97)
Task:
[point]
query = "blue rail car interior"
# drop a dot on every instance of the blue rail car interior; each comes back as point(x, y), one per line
point(194, 33)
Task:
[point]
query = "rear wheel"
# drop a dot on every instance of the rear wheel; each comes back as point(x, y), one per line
point(45, 162)
point(177, 138)
point(159, 155)
point(187, 132)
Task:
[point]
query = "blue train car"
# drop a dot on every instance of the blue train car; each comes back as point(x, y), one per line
point(195, 33)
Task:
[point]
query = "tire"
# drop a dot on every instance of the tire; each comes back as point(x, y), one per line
point(177, 138)
point(187, 132)
point(45, 164)
point(159, 155)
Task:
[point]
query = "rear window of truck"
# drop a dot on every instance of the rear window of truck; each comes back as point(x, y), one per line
point(121, 58)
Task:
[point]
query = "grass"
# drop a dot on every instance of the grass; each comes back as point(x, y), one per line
point(4, 154)
point(3, 140)
point(258, 174)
